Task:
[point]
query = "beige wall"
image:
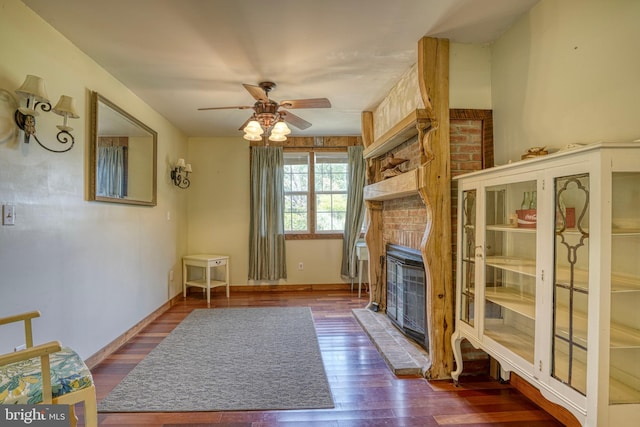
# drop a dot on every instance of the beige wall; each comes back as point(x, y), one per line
point(218, 216)
point(218, 206)
point(93, 269)
point(568, 72)
point(469, 76)
point(469, 87)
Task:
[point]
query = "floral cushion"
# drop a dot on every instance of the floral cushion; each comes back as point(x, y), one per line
point(21, 382)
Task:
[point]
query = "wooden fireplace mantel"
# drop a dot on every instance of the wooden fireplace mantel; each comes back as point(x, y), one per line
point(407, 183)
point(402, 185)
point(432, 181)
point(402, 131)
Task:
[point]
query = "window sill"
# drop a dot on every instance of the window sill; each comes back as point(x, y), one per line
point(327, 236)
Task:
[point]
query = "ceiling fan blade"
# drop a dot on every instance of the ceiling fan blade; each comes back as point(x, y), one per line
point(256, 91)
point(241, 107)
point(296, 121)
point(306, 103)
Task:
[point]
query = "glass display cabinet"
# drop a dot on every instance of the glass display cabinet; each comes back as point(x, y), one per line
point(509, 267)
point(548, 276)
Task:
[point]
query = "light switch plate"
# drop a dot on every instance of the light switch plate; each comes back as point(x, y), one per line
point(8, 214)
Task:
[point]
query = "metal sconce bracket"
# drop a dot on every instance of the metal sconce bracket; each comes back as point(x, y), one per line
point(27, 123)
point(33, 89)
point(180, 180)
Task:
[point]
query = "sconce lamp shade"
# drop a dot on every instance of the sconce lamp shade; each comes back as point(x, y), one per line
point(66, 107)
point(187, 168)
point(33, 87)
point(180, 163)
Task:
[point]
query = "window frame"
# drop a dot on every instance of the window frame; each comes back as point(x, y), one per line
point(311, 211)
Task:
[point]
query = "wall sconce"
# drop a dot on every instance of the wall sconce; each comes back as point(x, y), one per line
point(25, 117)
point(177, 172)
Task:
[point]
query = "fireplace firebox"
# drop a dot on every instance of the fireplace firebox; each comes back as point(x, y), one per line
point(406, 303)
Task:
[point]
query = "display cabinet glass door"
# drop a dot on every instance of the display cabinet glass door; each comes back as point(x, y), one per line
point(571, 281)
point(468, 254)
point(624, 369)
point(510, 266)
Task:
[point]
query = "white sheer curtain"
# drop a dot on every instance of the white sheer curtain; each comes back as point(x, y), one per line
point(267, 260)
point(355, 210)
point(111, 174)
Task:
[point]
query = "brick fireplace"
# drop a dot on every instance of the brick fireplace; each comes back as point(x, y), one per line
point(404, 219)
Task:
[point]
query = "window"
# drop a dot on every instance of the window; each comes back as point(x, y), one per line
point(315, 186)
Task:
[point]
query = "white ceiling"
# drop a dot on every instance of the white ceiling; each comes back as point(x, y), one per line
point(179, 55)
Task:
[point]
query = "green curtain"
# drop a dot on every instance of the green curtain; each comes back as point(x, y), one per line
point(355, 210)
point(267, 259)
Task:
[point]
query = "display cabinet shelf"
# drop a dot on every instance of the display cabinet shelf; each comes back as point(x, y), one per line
point(622, 283)
point(518, 343)
point(513, 300)
point(563, 300)
point(623, 337)
point(625, 232)
point(516, 265)
point(510, 228)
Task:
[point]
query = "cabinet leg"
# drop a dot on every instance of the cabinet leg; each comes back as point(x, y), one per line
point(457, 355)
point(505, 376)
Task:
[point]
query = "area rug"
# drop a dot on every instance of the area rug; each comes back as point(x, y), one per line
point(229, 359)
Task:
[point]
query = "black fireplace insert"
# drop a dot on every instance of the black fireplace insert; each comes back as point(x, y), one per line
point(406, 302)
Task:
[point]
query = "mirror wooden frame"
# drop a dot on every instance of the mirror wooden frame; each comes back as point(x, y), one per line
point(96, 101)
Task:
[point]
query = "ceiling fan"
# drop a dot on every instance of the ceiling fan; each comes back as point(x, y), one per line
point(268, 114)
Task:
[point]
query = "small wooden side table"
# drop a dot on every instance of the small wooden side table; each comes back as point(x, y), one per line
point(206, 262)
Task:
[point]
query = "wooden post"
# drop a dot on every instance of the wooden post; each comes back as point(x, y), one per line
point(367, 128)
point(373, 238)
point(373, 233)
point(435, 190)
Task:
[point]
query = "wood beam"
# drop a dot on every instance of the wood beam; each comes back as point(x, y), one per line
point(367, 128)
point(435, 190)
point(373, 238)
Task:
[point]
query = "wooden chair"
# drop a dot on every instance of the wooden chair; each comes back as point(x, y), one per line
point(46, 374)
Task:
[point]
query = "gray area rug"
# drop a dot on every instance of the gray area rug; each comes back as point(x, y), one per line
point(229, 359)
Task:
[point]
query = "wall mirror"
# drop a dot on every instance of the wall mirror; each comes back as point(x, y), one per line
point(122, 156)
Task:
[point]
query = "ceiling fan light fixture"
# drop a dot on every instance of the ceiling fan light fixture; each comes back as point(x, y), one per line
point(281, 128)
point(252, 136)
point(253, 127)
point(278, 137)
point(267, 116)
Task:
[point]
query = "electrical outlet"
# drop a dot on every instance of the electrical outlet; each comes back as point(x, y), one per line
point(20, 347)
point(300, 266)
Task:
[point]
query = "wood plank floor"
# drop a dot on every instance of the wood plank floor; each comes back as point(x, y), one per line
point(365, 392)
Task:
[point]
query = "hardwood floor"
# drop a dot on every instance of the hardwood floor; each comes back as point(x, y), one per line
point(365, 392)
